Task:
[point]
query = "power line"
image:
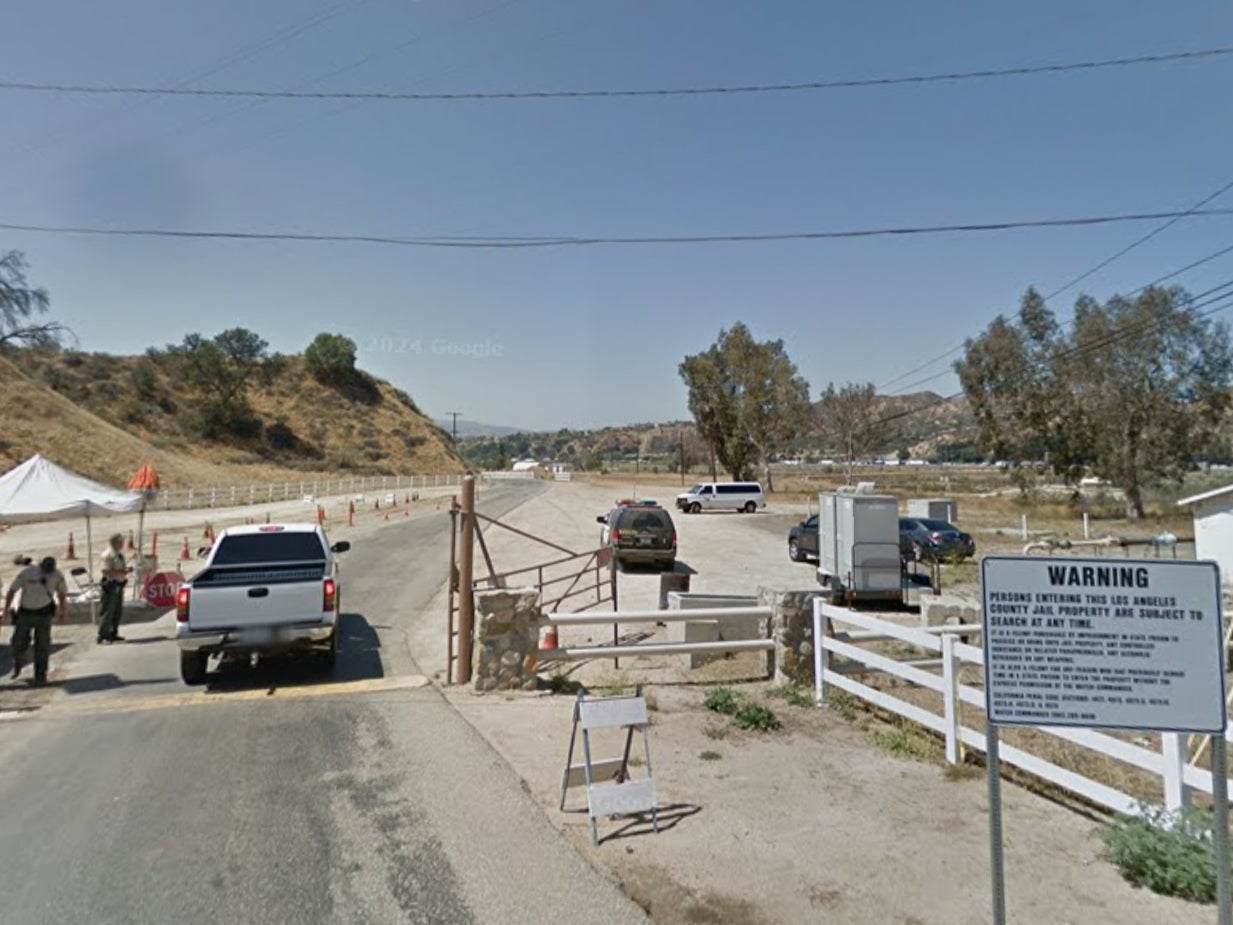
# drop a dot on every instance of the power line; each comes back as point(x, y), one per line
point(842, 84)
point(1078, 279)
point(1137, 242)
point(369, 57)
point(1160, 279)
point(240, 55)
point(495, 242)
point(1082, 349)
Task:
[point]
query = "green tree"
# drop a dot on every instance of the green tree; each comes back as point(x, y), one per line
point(1135, 391)
point(21, 307)
point(502, 456)
point(331, 358)
point(852, 424)
point(220, 369)
point(747, 399)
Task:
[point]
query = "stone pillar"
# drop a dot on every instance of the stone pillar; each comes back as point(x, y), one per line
point(506, 639)
point(791, 626)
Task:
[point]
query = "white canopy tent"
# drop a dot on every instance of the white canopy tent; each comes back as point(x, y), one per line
point(40, 488)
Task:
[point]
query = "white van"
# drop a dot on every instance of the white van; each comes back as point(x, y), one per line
point(722, 496)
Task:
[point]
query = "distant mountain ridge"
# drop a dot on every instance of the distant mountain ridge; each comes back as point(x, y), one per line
point(468, 429)
point(928, 426)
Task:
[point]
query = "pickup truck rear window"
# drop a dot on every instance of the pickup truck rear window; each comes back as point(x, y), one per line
point(254, 548)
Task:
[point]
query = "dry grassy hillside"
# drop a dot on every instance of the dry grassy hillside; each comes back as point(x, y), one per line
point(104, 415)
point(37, 420)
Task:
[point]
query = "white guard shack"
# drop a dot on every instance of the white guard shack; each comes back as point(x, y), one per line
point(1213, 528)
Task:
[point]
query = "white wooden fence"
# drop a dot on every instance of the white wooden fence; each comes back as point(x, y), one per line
point(210, 496)
point(840, 659)
point(614, 619)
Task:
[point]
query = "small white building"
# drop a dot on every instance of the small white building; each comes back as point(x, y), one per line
point(524, 465)
point(1213, 528)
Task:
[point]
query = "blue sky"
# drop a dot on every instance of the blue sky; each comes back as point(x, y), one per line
point(593, 336)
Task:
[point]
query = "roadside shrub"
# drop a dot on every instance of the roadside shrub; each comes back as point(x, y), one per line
point(756, 718)
point(709, 755)
point(722, 700)
point(1170, 856)
point(843, 703)
point(792, 694)
point(906, 742)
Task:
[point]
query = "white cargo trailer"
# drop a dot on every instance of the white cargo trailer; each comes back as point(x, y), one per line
point(934, 509)
point(858, 546)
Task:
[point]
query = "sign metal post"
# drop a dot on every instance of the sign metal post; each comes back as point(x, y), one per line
point(1220, 822)
point(1105, 643)
point(997, 863)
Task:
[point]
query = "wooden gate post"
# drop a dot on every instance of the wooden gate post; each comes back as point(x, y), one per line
point(466, 582)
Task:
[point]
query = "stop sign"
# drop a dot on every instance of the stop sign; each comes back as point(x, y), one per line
point(160, 589)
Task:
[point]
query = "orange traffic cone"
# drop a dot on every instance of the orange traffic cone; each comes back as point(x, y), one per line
point(550, 638)
point(131, 545)
point(71, 553)
point(205, 531)
point(184, 553)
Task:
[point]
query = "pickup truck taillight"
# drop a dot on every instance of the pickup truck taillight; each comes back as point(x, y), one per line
point(330, 597)
point(616, 536)
point(182, 598)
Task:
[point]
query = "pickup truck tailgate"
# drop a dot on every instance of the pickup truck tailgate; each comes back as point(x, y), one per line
point(248, 597)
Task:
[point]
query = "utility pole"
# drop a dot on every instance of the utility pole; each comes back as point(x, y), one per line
point(454, 431)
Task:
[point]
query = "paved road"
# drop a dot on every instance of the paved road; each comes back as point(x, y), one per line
point(279, 798)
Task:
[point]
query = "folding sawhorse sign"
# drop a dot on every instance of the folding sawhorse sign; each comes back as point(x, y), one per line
point(610, 792)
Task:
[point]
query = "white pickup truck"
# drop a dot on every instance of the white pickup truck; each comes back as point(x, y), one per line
point(266, 589)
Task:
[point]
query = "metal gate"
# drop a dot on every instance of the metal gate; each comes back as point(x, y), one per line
point(589, 578)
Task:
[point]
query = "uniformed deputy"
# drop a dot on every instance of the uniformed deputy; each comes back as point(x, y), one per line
point(115, 576)
point(42, 588)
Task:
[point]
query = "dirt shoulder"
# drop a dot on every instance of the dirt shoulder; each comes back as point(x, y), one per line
point(818, 821)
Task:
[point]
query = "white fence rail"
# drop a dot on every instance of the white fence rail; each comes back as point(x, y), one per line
point(502, 474)
point(839, 660)
point(577, 653)
point(210, 496)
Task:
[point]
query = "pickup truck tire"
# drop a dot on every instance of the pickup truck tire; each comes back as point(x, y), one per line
point(193, 666)
point(327, 656)
point(695, 508)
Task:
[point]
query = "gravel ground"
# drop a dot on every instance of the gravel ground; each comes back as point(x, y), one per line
point(814, 822)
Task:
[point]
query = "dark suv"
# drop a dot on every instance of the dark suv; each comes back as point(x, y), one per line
point(803, 540)
point(922, 539)
point(640, 533)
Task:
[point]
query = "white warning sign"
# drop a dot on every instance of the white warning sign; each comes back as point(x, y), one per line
point(1107, 643)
